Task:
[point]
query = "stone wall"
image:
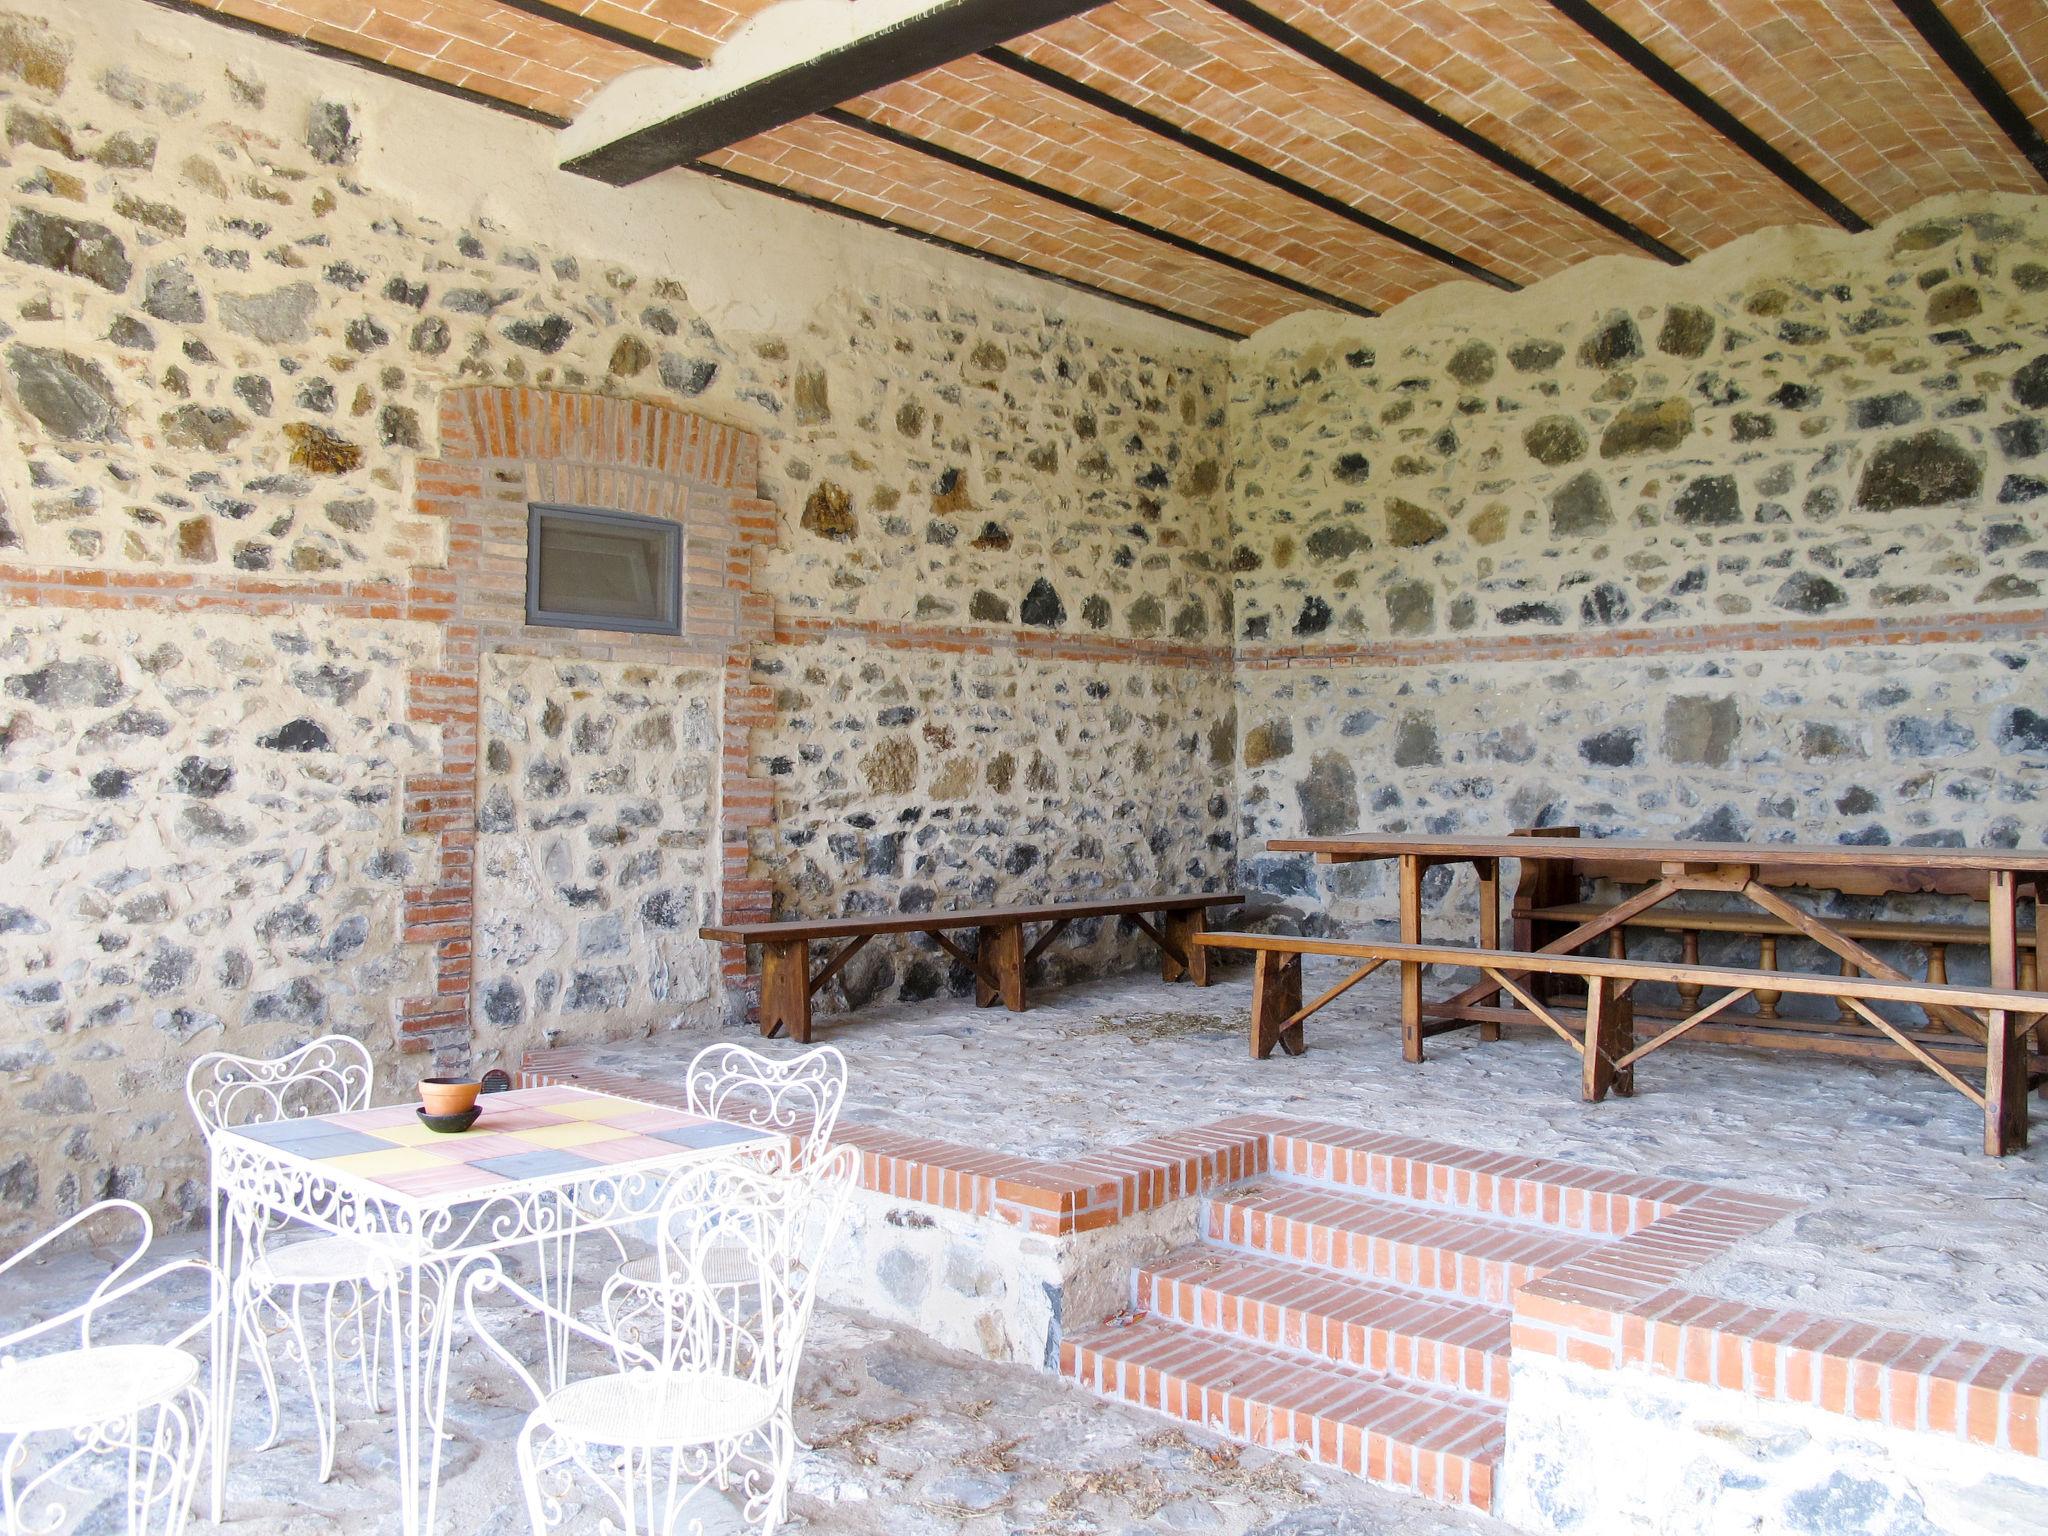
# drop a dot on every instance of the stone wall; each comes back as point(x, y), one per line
point(234, 725)
point(1748, 549)
point(201, 846)
point(596, 848)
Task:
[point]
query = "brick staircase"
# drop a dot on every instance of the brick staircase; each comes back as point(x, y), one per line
point(1354, 1304)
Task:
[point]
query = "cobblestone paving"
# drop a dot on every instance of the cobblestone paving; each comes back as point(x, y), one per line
point(1908, 1222)
point(905, 1439)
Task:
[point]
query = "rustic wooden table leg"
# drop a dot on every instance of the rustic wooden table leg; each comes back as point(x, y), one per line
point(1002, 967)
point(1276, 997)
point(1620, 1022)
point(1180, 955)
point(2005, 1085)
point(1411, 973)
point(2005, 937)
point(1488, 871)
point(1596, 1064)
point(786, 989)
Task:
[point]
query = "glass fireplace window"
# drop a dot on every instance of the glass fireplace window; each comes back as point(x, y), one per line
point(590, 569)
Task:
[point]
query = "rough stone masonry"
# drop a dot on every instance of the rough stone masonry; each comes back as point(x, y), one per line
point(1064, 599)
point(226, 342)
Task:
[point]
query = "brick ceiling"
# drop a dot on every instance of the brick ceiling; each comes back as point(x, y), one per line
point(1231, 162)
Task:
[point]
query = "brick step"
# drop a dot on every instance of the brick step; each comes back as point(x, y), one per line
point(1481, 1258)
point(1423, 1439)
point(1418, 1335)
point(1598, 1201)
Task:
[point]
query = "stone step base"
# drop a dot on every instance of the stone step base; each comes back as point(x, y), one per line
point(1425, 1439)
point(1446, 1341)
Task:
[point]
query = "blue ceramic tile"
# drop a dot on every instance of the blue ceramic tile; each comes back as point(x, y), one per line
point(712, 1134)
point(320, 1141)
point(281, 1133)
point(535, 1164)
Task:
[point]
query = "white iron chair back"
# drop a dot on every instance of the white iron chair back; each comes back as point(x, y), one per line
point(113, 1288)
point(140, 1402)
point(331, 1075)
point(757, 1228)
point(801, 1095)
point(327, 1076)
point(735, 1367)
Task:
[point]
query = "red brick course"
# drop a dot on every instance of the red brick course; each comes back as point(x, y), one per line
point(1772, 635)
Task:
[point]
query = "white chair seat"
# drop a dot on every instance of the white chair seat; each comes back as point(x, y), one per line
point(723, 1264)
point(636, 1409)
point(74, 1388)
point(318, 1261)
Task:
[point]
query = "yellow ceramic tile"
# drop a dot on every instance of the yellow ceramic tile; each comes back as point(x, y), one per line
point(375, 1165)
point(408, 1135)
point(576, 1135)
point(594, 1109)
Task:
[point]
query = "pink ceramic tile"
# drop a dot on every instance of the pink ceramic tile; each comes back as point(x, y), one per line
point(557, 1094)
point(441, 1181)
point(473, 1145)
point(514, 1118)
point(371, 1119)
point(653, 1118)
point(627, 1149)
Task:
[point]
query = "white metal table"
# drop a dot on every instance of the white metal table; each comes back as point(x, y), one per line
point(540, 1168)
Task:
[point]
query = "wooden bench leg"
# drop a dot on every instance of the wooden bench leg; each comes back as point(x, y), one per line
point(1610, 1035)
point(786, 990)
point(1276, 997)
point(1180, 955)
point(1002, 967)
point(1411, 973)
point(2005, 1085)
point(1488, 871)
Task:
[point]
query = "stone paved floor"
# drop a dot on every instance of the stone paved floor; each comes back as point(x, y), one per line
point(1908, 1222)
point(906, 1439)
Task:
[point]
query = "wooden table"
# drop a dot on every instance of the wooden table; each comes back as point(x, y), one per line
point(1752, 872)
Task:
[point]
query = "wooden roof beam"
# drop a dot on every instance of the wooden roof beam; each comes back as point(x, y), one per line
point(718, 112)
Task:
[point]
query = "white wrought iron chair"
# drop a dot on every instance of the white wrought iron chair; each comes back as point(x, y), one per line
point(330, 1075)
point(145, 1403)
point(703, 1404)
point(801, 1096)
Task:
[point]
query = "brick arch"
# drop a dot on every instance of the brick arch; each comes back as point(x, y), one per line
point(501, 448)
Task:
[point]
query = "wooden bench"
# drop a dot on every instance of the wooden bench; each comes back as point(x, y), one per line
point(998, 960)
point(1689, 924)
point(1606, 1036)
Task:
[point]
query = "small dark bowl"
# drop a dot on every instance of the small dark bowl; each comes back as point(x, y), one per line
point(448, 1125)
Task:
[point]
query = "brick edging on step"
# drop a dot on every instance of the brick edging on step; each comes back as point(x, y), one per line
point(1620, 1307)
point(1050, 1199)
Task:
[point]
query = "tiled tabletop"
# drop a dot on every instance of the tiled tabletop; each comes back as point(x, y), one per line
point(522, 1137)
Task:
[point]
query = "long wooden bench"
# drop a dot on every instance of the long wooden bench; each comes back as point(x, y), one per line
point(1606, 1036)
point(998, 960)
point(1690, 923)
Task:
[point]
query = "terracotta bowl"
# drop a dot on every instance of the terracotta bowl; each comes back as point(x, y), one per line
point(448, 1095)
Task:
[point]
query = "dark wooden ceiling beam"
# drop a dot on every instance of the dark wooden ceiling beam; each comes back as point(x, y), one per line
point(1151, 122)
point(1624, 45)
point(590, 26)
point(927, 147)
point(736, 178)
point(1093, 210)
point(926, 237)
point(1353, 73)
point(911, 47)
point(361, 61)
point(1950, 47)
